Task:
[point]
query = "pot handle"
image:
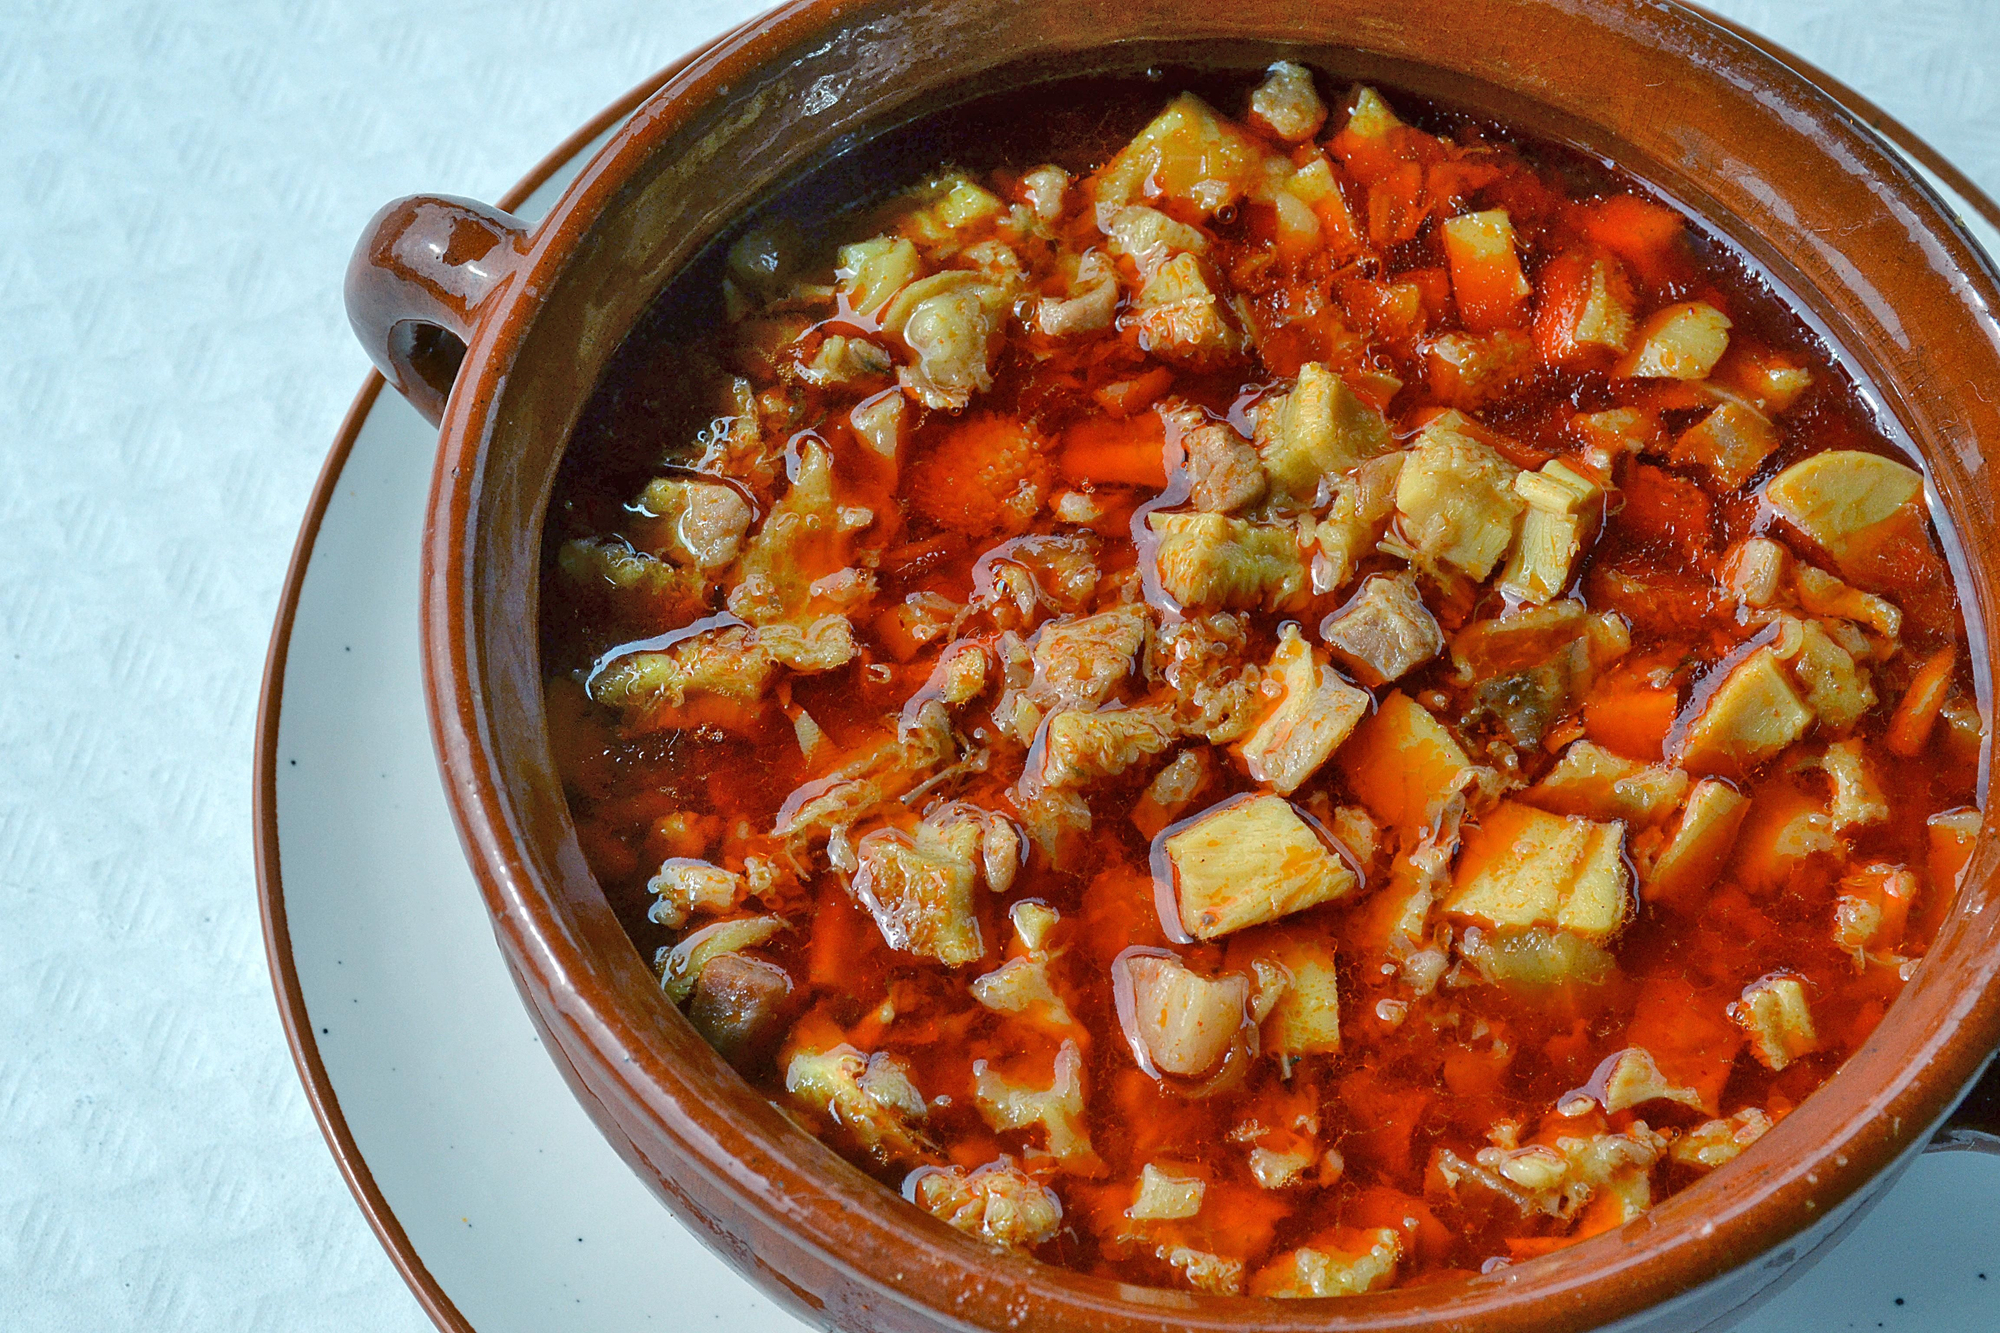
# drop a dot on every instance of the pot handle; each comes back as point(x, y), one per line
point(422, 270)
point(1974, 1125)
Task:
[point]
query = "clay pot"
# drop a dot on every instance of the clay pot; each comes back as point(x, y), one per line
point(1742, 141)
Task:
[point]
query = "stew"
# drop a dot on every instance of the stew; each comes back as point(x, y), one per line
point(1289, 692)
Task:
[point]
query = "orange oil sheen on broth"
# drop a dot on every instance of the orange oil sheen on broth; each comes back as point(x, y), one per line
point(1322, 593)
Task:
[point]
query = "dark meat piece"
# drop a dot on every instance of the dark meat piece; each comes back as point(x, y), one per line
point(739, 1007)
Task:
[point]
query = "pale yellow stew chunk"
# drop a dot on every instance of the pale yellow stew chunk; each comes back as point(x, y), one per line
point(1328, 1270)
point(1681, 342)
point(1701, 843)
point(1306, 1018)
point(1523, 867)
point(1316, 431)
point(1455, 497)
point(1774, 1014)
point(1837, 496)
point(1592, 781)
point(1182, 1022)
point(1248, 862)
point(1316, 712)
point(1752, 715)
point(1188, 153)
point(1564, 508)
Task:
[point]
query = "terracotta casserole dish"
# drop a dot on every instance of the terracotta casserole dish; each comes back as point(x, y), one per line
point(1854, 238)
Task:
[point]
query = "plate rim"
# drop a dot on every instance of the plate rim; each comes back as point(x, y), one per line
point(320, 1093)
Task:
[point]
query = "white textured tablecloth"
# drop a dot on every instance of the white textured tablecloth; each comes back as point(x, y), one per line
point(179, 188)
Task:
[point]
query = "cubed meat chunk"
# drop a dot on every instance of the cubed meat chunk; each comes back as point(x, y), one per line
point(1716, 1143)
point(1838, 497)
point(1857, 796)
point(1751, 716)
point(1000, 847)
point(1249, 861)
point(998, 1202)
point(1821, 594)
point(1873, 909)
point(1732, 442)
point(1363, 502)
point(1316, 712)
point(1182, 1023)
point(1092, 300)
point(870, 1096)
point(1564, 508)
point(1080, 662)
point(1317, 431)
point(1468, 370)
point(1455, 497)
point(1700, 844)
point(1172, 789)
point(1209, 561)
point(1632, 1078)
point(1770, 381)
point(918, 886)
point(1021, 986)
point(1187, 154)
point(870, 272)
point(1224, 473)
point(1786, 828)
point(1058, 1108)
point(1287, 102)
point(683, 886)
point(1838, 690)
point(806, 536)
point(1536, 957)
point(1774, 1015)
point(1583, 309)
point(1592, 781)
point(841, 362)
point(952, 323)
point(1149, 238)
point(1165, 1196)
point(1180, 317)
point(738, 1006)
point(680, 967)
point(1079, 748)
point(1203, 661)
point(1384, 632)
point(1681, 342)
point(1212, 1273)
point(1275, 1169)
point(698, 523)
point(879, 422)
point(1521, 867)
point(1607, 1174)
point(1527, 666)
point(1754, 571)
point(1351, 1263)
point(1306, 1018)
point(613, 563)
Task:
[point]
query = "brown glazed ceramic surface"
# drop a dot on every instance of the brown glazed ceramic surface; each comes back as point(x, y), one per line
point(1724, 130)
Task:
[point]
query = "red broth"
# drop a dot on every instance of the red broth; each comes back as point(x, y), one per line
point(1288, 692)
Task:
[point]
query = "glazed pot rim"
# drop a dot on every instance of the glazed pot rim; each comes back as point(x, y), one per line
point(1728, 1219)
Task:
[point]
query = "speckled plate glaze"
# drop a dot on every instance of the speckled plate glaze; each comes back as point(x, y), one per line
point(498, 1199)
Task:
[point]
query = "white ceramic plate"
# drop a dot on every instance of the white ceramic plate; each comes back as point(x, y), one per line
point(504, 1207)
